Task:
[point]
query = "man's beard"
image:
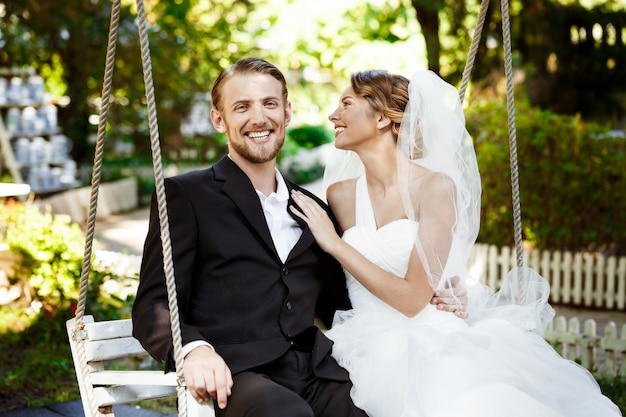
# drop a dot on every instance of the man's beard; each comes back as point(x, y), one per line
point(258, 155)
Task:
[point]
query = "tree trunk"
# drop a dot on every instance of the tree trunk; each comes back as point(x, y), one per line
point(428, 18)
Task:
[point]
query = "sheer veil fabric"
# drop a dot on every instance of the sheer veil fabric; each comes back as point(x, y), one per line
point(438, 173)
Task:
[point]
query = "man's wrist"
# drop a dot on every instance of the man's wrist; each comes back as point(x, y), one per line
point(192, 345)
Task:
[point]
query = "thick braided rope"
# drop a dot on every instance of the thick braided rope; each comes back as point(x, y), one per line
point(508, 69)
point(162, 206)
point(97, 165)
point(506, 36)
point(93, 201)
point(471, 54)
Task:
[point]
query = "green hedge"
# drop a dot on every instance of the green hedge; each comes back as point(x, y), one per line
point(571, 177)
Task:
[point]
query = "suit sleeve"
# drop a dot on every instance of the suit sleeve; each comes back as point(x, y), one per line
point(151, 314)
point(334, 294)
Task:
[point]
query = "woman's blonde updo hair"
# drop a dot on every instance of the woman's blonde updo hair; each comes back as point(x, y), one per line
point(386, 92)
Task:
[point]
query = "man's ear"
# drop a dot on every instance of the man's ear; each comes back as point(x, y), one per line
point(288, 113)
point(218, 121)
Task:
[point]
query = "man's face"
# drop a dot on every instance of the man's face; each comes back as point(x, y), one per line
point(254, 117)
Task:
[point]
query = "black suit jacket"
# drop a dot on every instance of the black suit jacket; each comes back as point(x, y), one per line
point(233, 290)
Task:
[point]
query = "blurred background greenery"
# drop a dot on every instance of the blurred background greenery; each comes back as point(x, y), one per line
point(569, 71)
point(568, 59)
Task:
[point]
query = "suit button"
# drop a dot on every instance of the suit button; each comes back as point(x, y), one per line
point(285, 270)
point(288, 306)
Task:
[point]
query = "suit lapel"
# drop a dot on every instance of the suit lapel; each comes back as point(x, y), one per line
point(239, 189)
point(307, 238)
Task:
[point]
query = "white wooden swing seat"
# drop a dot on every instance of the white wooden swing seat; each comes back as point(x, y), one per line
point(107, 341)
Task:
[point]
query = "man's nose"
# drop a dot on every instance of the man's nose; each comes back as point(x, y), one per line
point(257, 114)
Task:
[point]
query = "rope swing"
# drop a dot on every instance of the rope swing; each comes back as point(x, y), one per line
point(77, 328)
point(160, 192)
point(510, 100)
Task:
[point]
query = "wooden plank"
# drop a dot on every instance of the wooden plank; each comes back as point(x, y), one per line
point(587, 351)
point(588, 298)
point(555, 277)
point(572, 336)
point(610, 337)
point(545, 267)
point(124, 394)
point(621, 284)
point(611, 284)
point(130, 377)
point(578, 279)
point(566, 281)
point(128, 394)
point(102, 350)
point(535, 260)
point(111, 329)
point(600, 277)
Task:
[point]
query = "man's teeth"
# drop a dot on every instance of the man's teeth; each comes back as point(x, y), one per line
point(259, 135)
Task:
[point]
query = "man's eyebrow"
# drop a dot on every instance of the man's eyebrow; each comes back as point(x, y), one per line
point(268, 98)
point(242, 101)
point(247, 100)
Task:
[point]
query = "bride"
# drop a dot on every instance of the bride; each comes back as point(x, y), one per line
point(406, 195)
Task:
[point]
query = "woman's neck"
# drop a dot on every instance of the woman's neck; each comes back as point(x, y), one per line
point(380, 169)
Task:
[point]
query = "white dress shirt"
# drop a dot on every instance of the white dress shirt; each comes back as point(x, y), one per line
point(284, 229)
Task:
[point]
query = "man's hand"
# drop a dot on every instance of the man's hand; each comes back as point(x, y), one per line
point(452, 298)
point(207, 376)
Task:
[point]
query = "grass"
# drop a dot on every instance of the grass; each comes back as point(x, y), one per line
point(36, 367)
point(615, 389)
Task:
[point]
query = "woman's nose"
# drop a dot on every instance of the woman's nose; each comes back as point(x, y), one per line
point(333, 116)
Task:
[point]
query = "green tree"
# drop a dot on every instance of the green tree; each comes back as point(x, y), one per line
point(573, 55)
point(58, 38)
point(190, 42)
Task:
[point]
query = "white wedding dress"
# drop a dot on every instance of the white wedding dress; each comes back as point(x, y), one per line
point(437, 365)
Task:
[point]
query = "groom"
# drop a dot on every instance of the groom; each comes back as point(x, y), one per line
point(250, 277)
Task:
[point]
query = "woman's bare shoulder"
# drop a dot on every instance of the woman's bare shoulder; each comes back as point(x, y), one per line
point(341, 198)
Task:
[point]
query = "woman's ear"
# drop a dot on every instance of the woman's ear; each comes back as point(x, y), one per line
point(383, 121)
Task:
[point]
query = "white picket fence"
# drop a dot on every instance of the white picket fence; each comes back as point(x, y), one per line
point(602, 354)
point(588, 280)
point(579, 279)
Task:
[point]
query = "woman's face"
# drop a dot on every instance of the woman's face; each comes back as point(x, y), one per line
point(354, 120)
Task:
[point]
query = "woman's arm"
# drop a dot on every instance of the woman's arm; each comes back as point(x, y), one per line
point(411, 294)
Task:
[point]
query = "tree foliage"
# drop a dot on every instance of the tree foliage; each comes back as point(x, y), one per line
point(190, 42)
point(574, 57)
